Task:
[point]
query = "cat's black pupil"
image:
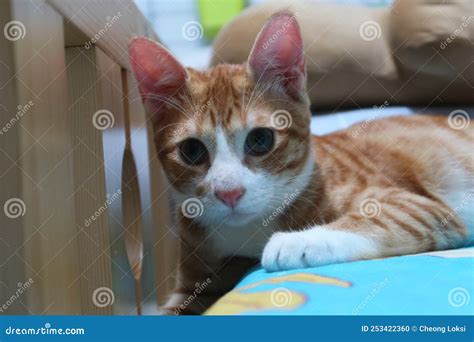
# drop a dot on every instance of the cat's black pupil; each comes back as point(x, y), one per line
point(193, 151)
point(259, 141)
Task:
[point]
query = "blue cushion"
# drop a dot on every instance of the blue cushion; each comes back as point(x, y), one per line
point(436, 283)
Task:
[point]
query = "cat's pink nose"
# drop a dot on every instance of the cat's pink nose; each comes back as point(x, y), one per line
point(230, 197)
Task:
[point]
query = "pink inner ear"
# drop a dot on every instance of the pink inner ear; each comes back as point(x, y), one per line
point(158, 73)
point(278, 51)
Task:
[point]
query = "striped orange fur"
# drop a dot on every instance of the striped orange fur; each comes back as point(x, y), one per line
point(381, 188)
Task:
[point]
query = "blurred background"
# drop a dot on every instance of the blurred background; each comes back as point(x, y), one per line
point(168, 18)
point(91, 230)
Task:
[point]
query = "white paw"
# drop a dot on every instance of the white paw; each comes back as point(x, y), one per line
point(287, 251)
point(313, 247)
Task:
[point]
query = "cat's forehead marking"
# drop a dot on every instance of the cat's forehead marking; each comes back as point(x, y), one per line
point(186, 128)
point(257, 117)
point(222, 91)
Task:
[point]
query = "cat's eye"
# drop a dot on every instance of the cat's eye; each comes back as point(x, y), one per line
point(193, 152)
point(259, 141)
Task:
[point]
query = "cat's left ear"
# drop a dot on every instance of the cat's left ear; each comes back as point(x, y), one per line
point(277, 56)
point(160, 76)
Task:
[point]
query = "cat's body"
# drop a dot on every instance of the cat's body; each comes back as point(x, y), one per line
point(235, 142)
point(420, 155)
point(406, 181)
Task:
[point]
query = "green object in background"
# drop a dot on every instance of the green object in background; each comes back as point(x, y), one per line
point(215, 14)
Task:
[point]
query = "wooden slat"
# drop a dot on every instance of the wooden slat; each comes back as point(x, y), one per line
point(97, 124)
point(111, 24)
point(65, 169)
point(11, 230)
point(133, 224)
point(160, 243)
point(41, 167)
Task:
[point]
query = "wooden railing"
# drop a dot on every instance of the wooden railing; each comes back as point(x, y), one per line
point(85, 215)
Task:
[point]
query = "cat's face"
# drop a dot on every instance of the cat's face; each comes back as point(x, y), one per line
point(235, 137)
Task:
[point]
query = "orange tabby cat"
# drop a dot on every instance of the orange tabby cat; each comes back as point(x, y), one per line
point(253, 185)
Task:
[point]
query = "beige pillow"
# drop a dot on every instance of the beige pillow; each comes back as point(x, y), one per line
point(359, 56)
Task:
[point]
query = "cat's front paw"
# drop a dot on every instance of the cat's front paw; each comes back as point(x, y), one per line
point(287, 251)
point(315, 247)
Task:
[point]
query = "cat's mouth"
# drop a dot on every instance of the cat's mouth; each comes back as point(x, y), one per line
point(238, 217)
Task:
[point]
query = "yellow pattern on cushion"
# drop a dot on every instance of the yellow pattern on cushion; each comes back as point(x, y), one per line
point(298, 277)
point(236, 301)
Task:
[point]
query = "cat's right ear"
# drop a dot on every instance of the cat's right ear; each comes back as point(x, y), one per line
point(277, 56)
point(159, 75)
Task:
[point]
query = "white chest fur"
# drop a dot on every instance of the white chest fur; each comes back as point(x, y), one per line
point(247, 241)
